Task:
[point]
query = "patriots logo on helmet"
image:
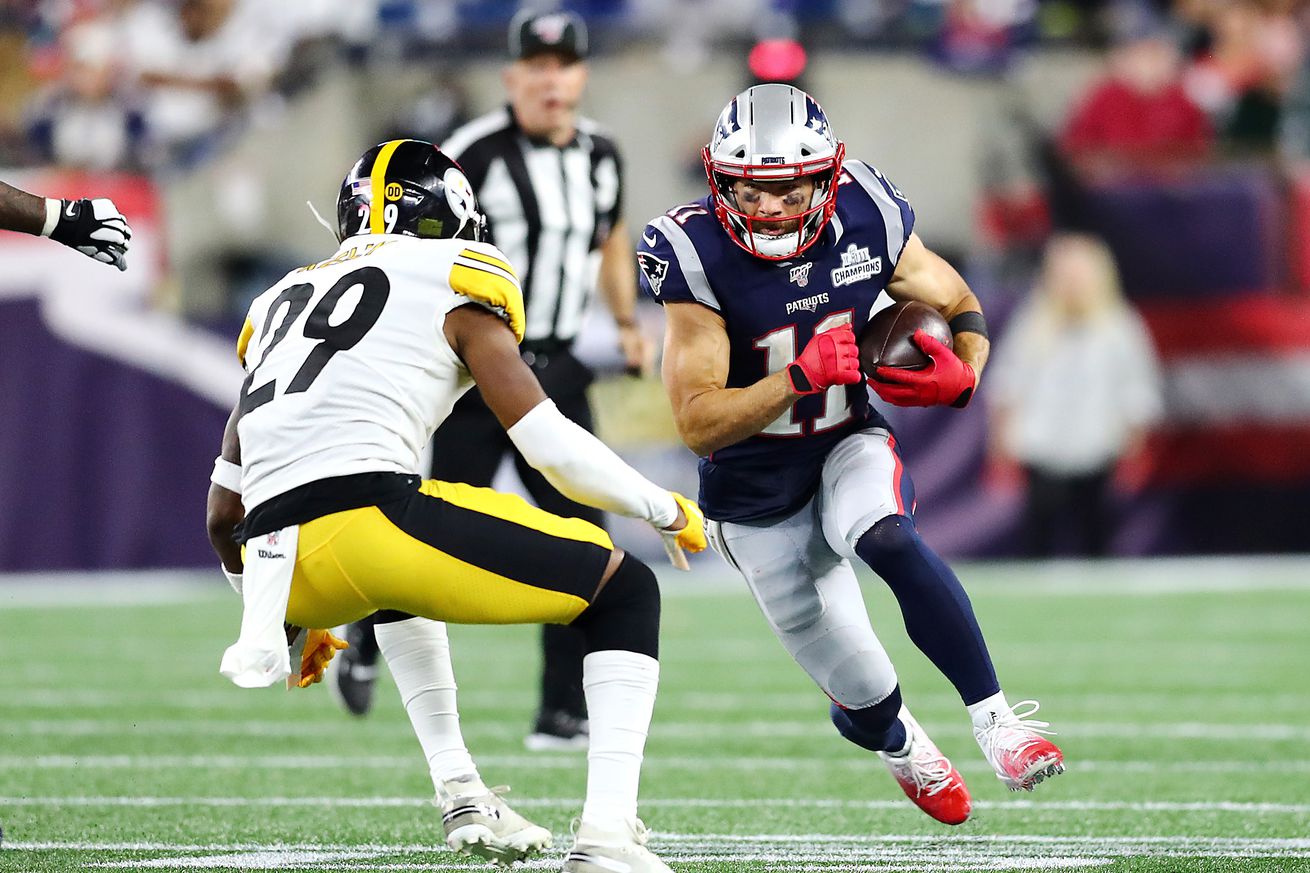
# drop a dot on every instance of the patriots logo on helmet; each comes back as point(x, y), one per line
point(728, 124)
point(550, 28)
point(654, 268)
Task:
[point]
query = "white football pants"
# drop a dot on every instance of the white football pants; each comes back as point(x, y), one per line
point(799, 570)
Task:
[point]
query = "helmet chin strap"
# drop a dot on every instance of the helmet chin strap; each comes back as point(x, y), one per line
point(321, 220)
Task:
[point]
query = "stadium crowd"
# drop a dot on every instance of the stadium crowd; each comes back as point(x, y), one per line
point(1200, 102)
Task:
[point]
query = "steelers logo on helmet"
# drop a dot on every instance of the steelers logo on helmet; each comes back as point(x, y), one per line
point(424, 194)
point(767, 136)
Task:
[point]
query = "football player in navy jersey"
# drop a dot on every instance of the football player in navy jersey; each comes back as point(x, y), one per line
point(765, 284)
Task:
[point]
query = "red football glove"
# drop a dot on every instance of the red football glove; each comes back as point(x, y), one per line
point(946, 381)
point(830, 358)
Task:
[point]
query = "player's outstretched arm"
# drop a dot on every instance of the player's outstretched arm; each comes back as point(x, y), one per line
point(711, 416)
point(574, 461)
point(94, 227)
point(223, 509)
point(20, 211)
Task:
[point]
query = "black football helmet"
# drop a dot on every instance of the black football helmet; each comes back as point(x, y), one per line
point(408, 186)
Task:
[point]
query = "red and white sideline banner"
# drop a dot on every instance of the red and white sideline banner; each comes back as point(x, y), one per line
point(1237, 390)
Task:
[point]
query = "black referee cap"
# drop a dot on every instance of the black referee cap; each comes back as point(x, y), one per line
point(533, 33)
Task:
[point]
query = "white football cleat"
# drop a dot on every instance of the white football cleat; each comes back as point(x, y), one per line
point(927, 776)
point(1013, 744)
point(600, 851)
point(478, 822)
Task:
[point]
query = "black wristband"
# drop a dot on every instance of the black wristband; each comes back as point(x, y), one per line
point(799, 381)
point(969, 322)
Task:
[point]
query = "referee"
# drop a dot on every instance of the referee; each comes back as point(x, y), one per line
point(550, 184)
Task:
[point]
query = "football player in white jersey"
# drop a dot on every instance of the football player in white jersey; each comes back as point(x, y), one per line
point(352, 363)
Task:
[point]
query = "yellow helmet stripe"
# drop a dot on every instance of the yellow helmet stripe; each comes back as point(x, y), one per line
point(377, 181)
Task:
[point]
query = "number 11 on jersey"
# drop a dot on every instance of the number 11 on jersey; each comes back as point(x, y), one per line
point(780, 349)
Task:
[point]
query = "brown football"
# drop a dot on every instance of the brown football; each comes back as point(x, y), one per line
point(887, 340)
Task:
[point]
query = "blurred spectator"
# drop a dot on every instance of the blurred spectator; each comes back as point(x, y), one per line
point(89, 120)
point(1254, 53)
point(1139, 113)
point(974, 37)
point(434, 115)
point(1073, 388)
point(200, 61)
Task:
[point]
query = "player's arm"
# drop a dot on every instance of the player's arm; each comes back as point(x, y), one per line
point(952, 377)
point(618, 288)
point(923, 275)
point(709, 415)
point(223, 509)
point(20, 211)
point(574, 461)
point(94, 227)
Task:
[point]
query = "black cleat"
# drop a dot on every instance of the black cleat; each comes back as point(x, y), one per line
point(353, 673)
point(558, 730)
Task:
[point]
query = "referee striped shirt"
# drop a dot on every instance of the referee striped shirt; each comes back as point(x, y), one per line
point(550, 209)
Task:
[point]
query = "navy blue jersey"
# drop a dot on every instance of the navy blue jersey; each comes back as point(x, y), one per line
point(771, 310)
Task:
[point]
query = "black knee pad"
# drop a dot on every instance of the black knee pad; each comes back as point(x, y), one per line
point(625, 615)
point(890, 538)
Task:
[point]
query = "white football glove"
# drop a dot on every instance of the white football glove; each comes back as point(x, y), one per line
point(95, 228)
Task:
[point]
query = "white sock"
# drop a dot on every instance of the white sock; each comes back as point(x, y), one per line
point(417, 652)
point(989, 710)
point(620, 688)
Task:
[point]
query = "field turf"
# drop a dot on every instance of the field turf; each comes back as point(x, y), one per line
point(1179, 691)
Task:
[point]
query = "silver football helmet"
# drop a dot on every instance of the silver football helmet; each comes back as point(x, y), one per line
point(773, 133)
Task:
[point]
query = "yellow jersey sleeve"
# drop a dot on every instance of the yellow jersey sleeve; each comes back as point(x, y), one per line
point(243, 340)
point(483, 275)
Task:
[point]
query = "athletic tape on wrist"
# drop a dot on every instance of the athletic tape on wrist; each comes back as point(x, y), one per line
point(226, 475)
point(52, 210)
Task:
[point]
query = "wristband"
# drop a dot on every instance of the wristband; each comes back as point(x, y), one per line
point(52, 210)
point(226, 475)
point(969, 322)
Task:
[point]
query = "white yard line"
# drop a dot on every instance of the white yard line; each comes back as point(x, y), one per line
point(694, 731)
point(1233, 807)
point(821, 852)
point(945, 841)
point(569, 761)
point(797, 702)
point(1113, 578)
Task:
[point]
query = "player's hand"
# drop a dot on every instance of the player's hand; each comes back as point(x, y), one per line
point(95, 228)
point(637, 349)
point(687, 533)
point(320, 648)
point(946, 381)
point(829, 358)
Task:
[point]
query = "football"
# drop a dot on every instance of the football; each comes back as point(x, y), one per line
point(887, 340)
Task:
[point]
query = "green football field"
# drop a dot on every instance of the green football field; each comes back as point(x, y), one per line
point(1179, 691)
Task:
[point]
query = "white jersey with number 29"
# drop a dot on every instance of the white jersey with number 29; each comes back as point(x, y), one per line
point(348, 367)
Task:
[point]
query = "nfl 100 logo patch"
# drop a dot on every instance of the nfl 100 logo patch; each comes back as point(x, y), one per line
point(800, 274)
